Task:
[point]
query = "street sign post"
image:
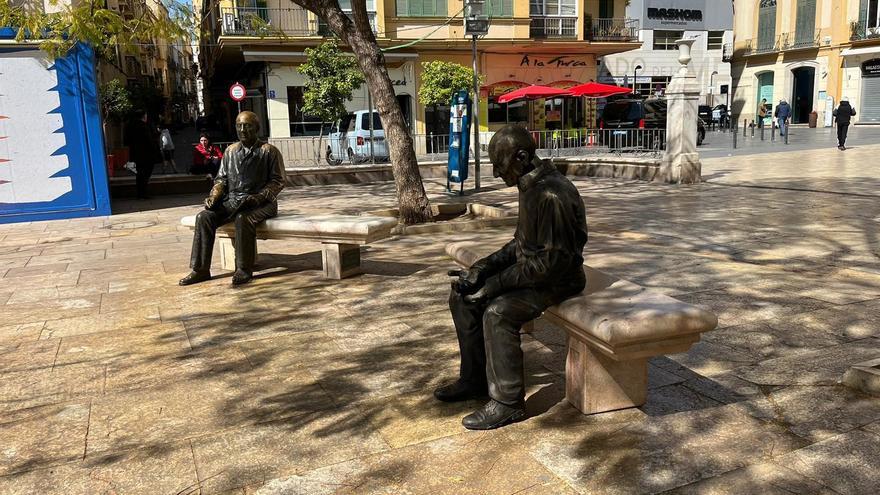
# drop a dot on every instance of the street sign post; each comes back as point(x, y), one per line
point(237, 92)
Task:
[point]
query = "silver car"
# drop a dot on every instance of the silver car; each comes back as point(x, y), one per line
point(350, 139)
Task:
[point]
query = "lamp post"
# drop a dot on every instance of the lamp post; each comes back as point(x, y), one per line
point(635, 72)
point(712, 87)
point(476, 24)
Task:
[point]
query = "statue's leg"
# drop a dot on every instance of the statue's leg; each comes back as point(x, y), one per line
point(468, 319)
point(246, 234)
point(502, 320)
point(207, 222)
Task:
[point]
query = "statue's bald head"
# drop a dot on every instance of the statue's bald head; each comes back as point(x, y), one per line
point(247, 125)
point(511, 151)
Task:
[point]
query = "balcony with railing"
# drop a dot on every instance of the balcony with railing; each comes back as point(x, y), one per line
point(615, 30)
point(260, 21)
point(553, 27)
point(800, 40)
point(762, 45)
point(860, 31)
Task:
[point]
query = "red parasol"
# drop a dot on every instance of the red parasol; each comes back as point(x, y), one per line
point(532, 92)
point(597, 90)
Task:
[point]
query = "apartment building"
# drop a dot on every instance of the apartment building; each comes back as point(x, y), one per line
point(549, 42)
point(810, 53)
point(649, 68)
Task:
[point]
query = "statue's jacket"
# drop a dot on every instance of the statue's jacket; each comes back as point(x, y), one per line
point(546, 252)
point(256, 171)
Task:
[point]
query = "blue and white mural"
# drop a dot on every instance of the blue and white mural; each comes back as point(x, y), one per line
point(51, 148)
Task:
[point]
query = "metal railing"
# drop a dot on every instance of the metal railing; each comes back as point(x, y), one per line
point(617, 29)
point(762, 45)
point(311, 151)
point(259, 21)
point(553, 27)
point(324, 29)
point(861, 31)
point(802, 39)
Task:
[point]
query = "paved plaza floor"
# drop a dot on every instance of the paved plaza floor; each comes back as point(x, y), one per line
point(114, 380)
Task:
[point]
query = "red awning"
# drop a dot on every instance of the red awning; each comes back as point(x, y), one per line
point(597, 90)
point(533, 92)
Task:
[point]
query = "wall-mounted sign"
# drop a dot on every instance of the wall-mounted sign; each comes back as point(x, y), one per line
point(560, 61)
point(687, 15)
point(871, 67)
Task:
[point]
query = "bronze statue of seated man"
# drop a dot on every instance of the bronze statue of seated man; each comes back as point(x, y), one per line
point(541, 266)
point(245, 192)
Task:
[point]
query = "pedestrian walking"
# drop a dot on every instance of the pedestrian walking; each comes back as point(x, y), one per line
point(762, 112)
point(167, 145)
point(143, 149)
point(843, 114)
point(782, 114)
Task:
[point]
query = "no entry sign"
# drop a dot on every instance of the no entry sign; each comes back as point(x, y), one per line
point(237, 92)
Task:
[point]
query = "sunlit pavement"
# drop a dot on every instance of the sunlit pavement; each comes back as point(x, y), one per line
point(115, 380)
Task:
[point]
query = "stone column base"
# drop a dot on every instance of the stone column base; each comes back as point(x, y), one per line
point(596, 383)
point(683, 168)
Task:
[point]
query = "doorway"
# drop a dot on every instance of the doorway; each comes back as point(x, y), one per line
point(765, 92)
point(802, 94)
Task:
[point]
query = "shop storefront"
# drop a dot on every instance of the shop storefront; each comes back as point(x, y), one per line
point(861, 82)
point(870, 94)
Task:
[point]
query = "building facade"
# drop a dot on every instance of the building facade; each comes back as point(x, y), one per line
point(649, 68)
point(549, 42)
point(810, 53)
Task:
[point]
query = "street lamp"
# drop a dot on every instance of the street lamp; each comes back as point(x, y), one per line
point(476, 24)
point(712, 87)
point(635, 71)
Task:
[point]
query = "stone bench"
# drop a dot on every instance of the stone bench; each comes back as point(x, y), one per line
point(341, 237)
point(614, 327)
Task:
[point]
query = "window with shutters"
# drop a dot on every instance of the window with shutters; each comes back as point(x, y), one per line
point(767, 26)
point(805, 24)
point(552, 8)
point(422, 8)
point(872, 12)
point(499, 8)
point(665, 40)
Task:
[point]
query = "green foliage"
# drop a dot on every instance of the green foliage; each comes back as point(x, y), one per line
point(116, 100)
point(441, 79)
point(331, 77)
point(89, 22)
point(149, 99)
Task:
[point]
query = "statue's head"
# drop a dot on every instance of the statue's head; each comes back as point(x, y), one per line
point(247, 125)
point(511, 151)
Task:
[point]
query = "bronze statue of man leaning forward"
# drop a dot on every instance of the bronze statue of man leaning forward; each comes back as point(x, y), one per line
point(540, 267)
point(245, 192)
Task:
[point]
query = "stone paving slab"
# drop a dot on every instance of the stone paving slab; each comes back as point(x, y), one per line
point(113, 379)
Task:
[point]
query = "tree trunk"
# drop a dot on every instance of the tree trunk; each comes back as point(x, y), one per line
point(412, 201)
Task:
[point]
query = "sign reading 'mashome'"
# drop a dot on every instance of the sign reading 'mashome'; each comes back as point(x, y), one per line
point(675, 14)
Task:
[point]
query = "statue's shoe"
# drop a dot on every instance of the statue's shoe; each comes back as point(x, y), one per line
point(493, 415)
point(458, 391)
point(241, 277)
point(195, 277)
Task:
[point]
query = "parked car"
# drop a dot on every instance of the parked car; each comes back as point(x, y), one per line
point(624, 118)
point(350, 140)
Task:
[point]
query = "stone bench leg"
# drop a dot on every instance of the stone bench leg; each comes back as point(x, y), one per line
point(227, 253)
point(595, 383)
point(341, 260)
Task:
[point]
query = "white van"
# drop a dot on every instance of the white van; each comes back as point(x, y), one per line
point(350, 139)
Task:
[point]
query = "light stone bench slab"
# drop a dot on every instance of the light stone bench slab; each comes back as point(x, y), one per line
point(341, 237)
point(614, 327)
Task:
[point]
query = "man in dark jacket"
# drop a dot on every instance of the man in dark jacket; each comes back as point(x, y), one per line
point(540, 267)
point(143, 149)
point(782, 114)
point(245, 191)
point(844, 114)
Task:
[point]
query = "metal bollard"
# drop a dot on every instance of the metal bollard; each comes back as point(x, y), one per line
point(787, 132)
point(762, 133)
point(745, 127)
point(772, 131)
point(734, 139)
point(753, 128)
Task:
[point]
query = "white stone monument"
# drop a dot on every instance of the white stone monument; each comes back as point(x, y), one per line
point(681, 162)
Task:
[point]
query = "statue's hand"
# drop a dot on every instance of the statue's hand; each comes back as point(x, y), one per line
point(210, 201)
point(478, 297)
point(251, 201)
point(466, 282)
